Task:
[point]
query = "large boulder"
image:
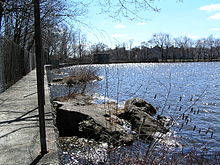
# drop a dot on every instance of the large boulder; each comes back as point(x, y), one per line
point(139, 113)
point(75, 117)
point(141, 105)
point(90, 121)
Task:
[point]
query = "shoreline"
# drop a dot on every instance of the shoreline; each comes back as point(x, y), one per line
point(171, 61)
point(84, 124)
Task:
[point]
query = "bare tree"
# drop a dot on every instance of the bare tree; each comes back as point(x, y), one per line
point(210, 41)
point(162, 40)
point(217, 48)
point(131, 41)
point(129, 9)
point(18, 18)
point(81, 45)
point(98, 48)
point(201, 48)
point(184, 44)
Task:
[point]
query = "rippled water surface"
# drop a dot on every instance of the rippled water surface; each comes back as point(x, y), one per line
point(175, 89)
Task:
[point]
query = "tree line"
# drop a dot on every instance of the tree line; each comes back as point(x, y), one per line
point(160, 47)
point(17, 24)
point(64, 42)
point(59, 20)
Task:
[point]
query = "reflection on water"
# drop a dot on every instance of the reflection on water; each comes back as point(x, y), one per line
point(188, 92)
point(197, 84)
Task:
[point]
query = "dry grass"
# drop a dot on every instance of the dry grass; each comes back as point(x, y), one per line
point(83, 75)
point(77, 97)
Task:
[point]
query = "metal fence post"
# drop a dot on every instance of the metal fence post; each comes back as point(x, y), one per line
point(2, 77)
point(40, 75)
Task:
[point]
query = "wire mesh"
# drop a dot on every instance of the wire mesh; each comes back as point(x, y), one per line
point(15, 62)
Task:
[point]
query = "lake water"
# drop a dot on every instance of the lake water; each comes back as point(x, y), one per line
point(176, 90)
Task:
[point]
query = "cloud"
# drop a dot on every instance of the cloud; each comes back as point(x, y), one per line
point(215, 16)
point(119, 26)
point(141, 23)
point(119, 35)
point(212, 7)
point(215, 29)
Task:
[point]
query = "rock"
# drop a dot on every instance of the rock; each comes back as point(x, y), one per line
point(91, 122)
point(141, 104)
point(101, 123)
point(139, 113)
point(164, 120)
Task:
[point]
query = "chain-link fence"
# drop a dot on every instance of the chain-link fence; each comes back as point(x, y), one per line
point(15, 62)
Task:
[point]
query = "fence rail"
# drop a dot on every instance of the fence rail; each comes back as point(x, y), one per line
point(15, 62)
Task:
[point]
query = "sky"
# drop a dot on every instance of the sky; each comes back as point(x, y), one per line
point(192, 18)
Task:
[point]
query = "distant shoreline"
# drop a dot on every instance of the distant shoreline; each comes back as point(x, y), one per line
point(160, 61)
